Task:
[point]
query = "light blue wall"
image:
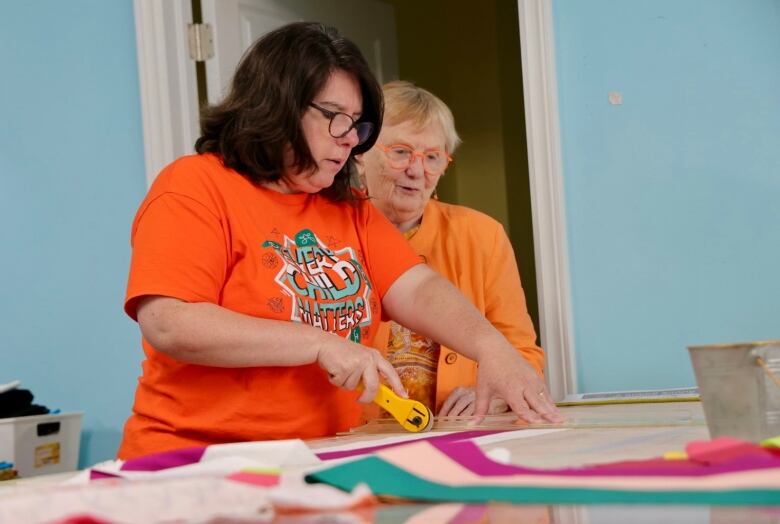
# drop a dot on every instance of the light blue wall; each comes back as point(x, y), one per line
point(673, 197)
point(71, 177)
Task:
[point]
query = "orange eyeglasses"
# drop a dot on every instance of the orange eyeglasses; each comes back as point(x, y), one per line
point(401, 156)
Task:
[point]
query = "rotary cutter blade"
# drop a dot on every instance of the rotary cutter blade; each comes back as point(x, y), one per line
point(411, 414)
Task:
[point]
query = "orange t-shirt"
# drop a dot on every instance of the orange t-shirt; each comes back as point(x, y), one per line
point(205, 233)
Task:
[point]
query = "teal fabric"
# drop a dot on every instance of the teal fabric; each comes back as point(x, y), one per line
point(386, 479)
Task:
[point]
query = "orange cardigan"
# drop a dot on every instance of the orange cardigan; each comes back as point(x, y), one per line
point(473, 252)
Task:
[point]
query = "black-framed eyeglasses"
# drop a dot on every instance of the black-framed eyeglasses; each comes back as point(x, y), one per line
point(342, 123)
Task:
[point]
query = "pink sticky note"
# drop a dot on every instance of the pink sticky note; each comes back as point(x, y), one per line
point(721, 449)
point(256, 478)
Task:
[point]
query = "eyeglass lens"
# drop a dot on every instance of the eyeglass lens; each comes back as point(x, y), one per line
point(341, 124)
point(434, 161)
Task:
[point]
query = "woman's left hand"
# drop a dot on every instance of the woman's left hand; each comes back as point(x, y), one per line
point(457, 324)
point(462, 403)
point(505, 374)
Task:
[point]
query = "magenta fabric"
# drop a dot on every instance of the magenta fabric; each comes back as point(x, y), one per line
point(468, 455)
point(100, 475)
point(450, 437)
point(165, 460)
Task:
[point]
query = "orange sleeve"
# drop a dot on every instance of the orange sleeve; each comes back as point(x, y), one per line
point(179, 250)
point(389, 254)
point(505, 305)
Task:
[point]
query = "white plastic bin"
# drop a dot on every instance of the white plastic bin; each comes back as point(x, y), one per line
point(41, 444)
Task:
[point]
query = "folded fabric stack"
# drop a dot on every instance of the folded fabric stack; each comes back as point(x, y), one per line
point(241, 482)
point(724, 471)
point(15, 402)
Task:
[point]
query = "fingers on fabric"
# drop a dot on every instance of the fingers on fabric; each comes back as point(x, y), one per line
point(453, 397)
point(459, 403)
point(497, 406)
point(539, 400)
point(481, 405)
point(464, 407)
point(520, 407)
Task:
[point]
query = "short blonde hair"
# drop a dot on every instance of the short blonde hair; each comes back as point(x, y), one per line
point(406, 102)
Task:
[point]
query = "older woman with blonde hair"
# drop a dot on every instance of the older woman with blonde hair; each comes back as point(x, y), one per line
point(470, 249)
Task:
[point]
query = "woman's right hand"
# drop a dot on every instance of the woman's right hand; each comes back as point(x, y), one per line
point(348, 364)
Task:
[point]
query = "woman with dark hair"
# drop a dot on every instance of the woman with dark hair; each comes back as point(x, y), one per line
point(257, 273)
point(259, 121)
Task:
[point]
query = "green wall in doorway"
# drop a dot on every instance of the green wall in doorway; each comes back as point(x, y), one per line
point(469, 55)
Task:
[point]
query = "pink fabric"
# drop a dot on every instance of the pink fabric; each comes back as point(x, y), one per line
point(721, 449)
point(450, 437)
point(256, 479)
point(470, 514)
point(468, 455)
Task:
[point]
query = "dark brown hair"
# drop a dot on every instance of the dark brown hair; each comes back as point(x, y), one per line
point(271, 89)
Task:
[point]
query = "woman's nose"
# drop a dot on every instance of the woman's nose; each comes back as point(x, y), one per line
point(350, 139)
point(416, 167)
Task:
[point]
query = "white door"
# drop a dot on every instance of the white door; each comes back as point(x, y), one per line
point(238, 23)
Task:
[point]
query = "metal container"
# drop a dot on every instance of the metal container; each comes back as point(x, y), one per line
point(739, 385)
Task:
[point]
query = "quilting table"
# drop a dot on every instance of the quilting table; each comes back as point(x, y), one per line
point(591, 435)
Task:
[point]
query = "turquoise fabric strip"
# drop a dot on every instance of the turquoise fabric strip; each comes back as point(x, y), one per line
point(386, 479)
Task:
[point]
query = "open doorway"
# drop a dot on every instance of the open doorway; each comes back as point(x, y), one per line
point(469, 55)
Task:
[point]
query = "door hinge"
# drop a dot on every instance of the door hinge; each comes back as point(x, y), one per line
point(201, 41)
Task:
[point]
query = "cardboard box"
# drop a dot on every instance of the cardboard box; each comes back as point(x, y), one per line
point(41, 444)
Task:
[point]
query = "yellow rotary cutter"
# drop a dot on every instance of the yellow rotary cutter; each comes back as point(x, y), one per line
point(411, 414)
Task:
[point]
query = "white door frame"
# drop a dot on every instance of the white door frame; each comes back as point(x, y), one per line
point(169, 109)
point(540, 91)
point(168, 83)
